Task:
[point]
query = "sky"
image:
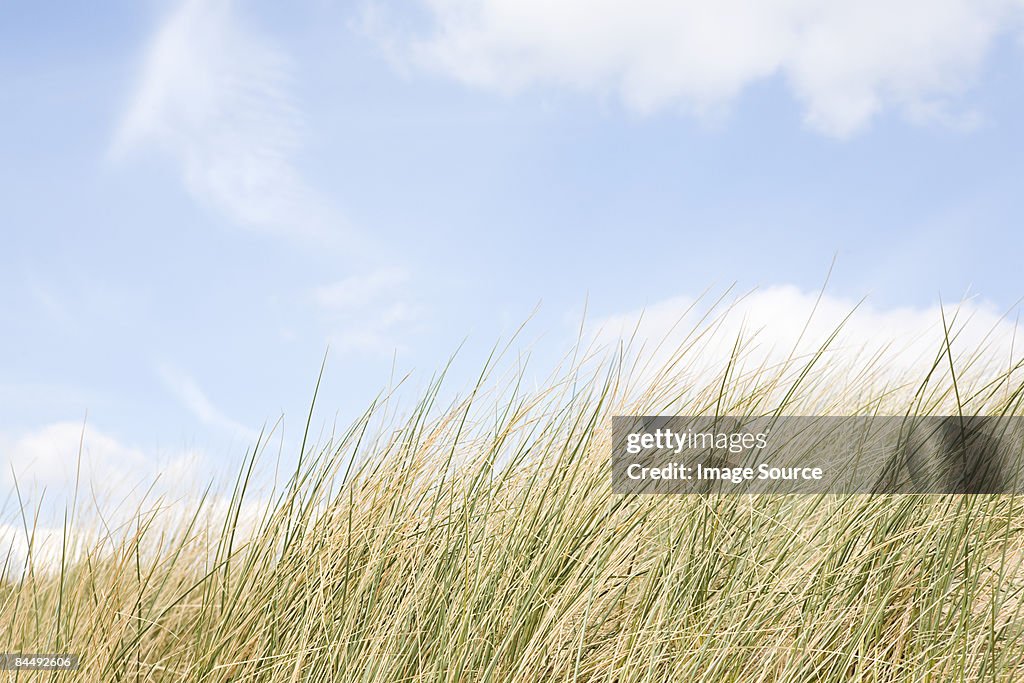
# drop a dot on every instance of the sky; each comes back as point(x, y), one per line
point(198, 199)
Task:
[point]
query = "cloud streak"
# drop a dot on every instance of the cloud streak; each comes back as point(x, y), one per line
point(195, 400)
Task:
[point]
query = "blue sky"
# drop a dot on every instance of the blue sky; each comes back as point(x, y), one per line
point(199, 197)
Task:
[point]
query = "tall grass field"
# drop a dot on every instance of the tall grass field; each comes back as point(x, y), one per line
point(478, 539)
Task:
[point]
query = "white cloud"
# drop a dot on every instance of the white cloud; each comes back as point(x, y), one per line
point(47, 547)
point(58, 456)
point(844, 61)
point(116, 485)
point(368, 312)
point(195, 400)
point(50, 457)
point(890, 346)
point(215, 97)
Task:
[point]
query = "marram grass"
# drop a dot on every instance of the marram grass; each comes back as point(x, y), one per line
point(481, 542)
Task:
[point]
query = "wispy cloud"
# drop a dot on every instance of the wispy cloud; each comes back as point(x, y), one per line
point(195, 400)
point(216, 97)
point(360, 290)
point(371, 311)
point(845, 61)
